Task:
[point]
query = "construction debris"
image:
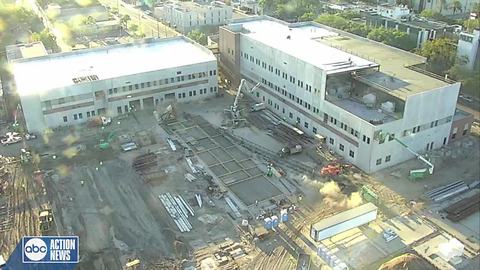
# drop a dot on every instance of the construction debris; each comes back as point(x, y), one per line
point(174, 208)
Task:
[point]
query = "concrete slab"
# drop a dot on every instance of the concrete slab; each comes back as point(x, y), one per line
point(248, 164)
point(208, 158)
point(221, 155)
point(409, 229)
point(224, 142)
point(256, 189)
point(236, 153)
point(219, 170)
point(232, 166)
point(234, 177)
point(429, 250)
point(206, 144)
point(254, 171)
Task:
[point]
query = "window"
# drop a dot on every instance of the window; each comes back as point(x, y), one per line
point(306, 125)
point(341, 147)
point(290, 115)
point(379, 161)
point(314, 130)
point(189, 93)
point(154, 83)
point(387, 158)
point(130, 87)
point(351, 154)
point(75, 117)
point(298, 119)
point(194, 92)
point(368, 140)
point(391, 137)
point(65, 119)
point(110, 91)
point(183, 95)
point(93, 113)
point(88, 114)
point(179, 95)
point(148, 84)
point(136, 86)
point(332, 141)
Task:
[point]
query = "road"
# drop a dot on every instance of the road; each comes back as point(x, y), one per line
point(147, 24)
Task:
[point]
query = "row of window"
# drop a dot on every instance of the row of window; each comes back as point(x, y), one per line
point(432, 124)
point(351, 153)
point(194, 92)
point(77, 116)
point(278, 72)
point(387, 159)
point(179, 78)
point(308, 106)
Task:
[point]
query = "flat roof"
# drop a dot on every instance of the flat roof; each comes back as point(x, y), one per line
point(344, 216)
point(394, 77)
point(336, 51)
point(298, 41)
point(361, 110)
point(19, 51)
point(60, 70)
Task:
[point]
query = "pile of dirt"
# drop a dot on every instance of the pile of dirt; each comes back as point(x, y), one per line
point(407, 261)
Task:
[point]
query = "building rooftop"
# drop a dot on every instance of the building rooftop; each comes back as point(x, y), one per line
point(19, 51)
point(299, 42)
point(194, 6)
point(63, 69)
point(344, 216)
point(395, 76)
point(336, 51)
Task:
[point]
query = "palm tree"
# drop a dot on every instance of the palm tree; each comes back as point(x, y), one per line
point(457, 5)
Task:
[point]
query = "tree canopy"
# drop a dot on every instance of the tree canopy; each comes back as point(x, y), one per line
point(440, 54)
point(47, 38)
point(198, 36)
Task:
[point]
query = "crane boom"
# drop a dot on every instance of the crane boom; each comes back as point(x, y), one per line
point(430, 165)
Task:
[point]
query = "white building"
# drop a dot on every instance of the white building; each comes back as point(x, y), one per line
point(359, 94)
point(69, 88)
point(444, 7)
point(394, 12)
point(469, 48)
point(186, 16)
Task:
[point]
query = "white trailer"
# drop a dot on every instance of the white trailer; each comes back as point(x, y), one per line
point(344, 221)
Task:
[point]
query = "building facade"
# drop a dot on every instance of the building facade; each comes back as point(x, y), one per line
point(69, 88)
point(311, 78)
point(420, 30)
point(187, 16)
point(469, 49)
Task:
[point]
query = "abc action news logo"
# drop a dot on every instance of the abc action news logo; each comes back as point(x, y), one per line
point(50, 249)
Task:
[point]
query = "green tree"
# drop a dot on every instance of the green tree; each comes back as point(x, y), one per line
point(392, 37)
point(88, 20)
point(198, 36)
point(470, 25)
point(334, 21)
point(430, 14)
point(440, 54)
point(470, 79)
point(133, 27)
point(307, 16)
point(457, 5)
point(124, 21)
point(47, 38)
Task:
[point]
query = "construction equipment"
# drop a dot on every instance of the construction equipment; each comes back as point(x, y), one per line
point(105, 143)
point(167, 115)
point(331, 170)
point(369, 195)
point(416, 174)
point(234, 110)
point(46, 220)
point(291, 150)
point(99, 121)
point(258, 107)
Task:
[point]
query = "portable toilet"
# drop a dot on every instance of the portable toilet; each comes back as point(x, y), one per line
point(275, 221)
point(284, 215)
point(268, 223)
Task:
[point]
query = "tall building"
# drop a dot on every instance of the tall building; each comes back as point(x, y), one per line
point(69, 88)
point(366, 98)
point(187, 16)
point(469, 48)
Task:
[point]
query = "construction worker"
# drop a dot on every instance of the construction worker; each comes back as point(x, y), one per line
point(82, 183)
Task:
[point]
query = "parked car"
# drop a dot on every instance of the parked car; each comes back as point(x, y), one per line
point(11, 138)
point(389, 235)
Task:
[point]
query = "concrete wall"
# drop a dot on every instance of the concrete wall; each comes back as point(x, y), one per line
point(468, 47)
point(97, 97)
point(461, 127)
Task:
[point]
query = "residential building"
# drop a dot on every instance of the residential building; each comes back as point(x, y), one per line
point(395, 12)
point(69, 88)
point(419, 29)
point(187, 16)
point(362, 96)
point(444, 7)
point(28, 50)
point(469, 49)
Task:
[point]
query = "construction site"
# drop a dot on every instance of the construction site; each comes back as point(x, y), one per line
point(224, 183)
